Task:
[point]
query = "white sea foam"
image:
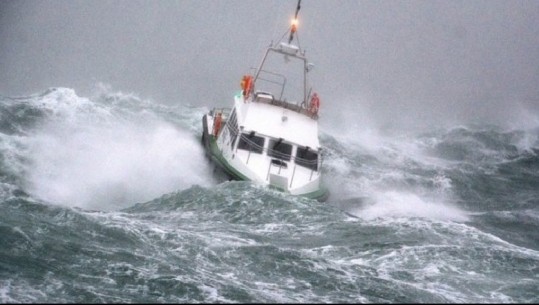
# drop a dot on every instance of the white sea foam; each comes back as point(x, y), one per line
point(93, 156)
point(390, 174)
point(5, 291)
point(528, 141)
point(402, 204)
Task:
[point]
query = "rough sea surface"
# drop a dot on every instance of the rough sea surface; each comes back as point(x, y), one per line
point(109, 198)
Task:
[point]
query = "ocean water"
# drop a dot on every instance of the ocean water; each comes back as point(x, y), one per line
point(109, 198)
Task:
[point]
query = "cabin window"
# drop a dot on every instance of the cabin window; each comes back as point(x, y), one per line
point(233, 128)
point(251, 143)
point(307, 158)
point(278, 149)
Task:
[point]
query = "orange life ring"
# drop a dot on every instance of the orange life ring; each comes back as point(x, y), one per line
point(314, 105)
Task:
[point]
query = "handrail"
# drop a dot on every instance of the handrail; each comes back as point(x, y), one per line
point(294, 173)
point(294, 107)
point(300, 56)
point(225, 112)
point(283, 84)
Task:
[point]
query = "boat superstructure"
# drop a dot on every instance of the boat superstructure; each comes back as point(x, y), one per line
point(270, 134)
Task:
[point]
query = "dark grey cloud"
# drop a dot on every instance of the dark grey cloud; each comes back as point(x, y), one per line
point(406, 63)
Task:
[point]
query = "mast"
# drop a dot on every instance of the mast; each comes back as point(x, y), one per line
point(294, 23)
point(293, 30)
point(288, 50)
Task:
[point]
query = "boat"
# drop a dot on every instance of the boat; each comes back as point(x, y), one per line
point(270, 134)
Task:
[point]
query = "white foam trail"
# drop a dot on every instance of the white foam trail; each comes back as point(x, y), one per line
point(97, 160)
point(401, 204)
point(390, 173)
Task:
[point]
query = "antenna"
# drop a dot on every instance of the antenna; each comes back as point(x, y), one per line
point(294, 23)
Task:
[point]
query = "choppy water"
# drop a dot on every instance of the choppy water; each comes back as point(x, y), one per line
point(109, 199)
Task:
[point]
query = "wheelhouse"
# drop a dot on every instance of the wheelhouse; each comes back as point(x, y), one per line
point(281, 151)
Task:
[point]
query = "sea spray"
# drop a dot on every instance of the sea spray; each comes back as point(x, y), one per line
point(444, 216)
point(106, 153)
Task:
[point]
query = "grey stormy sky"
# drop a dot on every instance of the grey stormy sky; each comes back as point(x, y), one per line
point(399, 63)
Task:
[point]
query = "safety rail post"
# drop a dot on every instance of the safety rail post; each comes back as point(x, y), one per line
point(269, 169)
point(312, 171)
point(293, 174)
point(248, 156)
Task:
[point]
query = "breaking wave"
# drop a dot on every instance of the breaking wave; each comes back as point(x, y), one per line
point(109, 198)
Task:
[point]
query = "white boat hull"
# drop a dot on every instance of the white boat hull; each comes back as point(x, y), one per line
point(261, 168)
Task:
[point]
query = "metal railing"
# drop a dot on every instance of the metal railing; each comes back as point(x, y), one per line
point(225, 112)
point(298, 107)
